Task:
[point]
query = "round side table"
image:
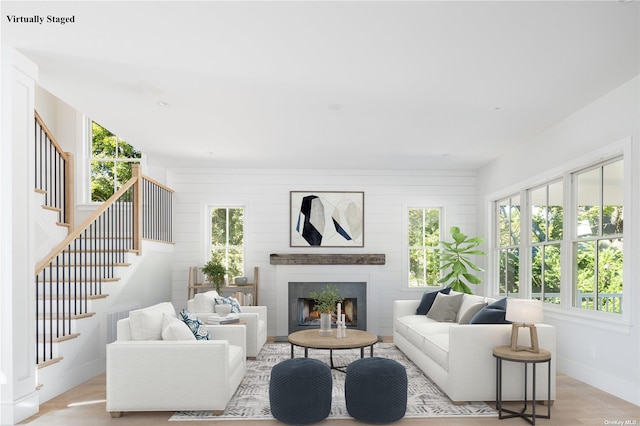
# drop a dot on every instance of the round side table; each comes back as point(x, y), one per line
point(504, 353)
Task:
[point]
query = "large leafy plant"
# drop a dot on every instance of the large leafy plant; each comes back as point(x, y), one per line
point(455, 261)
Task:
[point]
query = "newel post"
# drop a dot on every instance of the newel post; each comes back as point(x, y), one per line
point(69, 188)
point(136, 172)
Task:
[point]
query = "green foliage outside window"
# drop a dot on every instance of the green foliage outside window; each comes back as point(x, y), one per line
point(227, 239)
point(424, 247)
point(111, 160)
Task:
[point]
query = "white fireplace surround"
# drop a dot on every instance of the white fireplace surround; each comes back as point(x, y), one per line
point(324, 273)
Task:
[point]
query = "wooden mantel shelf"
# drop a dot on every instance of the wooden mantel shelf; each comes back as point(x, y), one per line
point(327, 259)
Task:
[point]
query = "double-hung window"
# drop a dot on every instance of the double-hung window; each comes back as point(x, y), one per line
point(424, 242)
point(508, 243)
point(598, 244)
point(547, 221)
point(227, 238)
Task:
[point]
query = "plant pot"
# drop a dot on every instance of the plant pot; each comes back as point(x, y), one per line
point(325, 324)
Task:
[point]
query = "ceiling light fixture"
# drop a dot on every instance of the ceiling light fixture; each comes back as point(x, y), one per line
point(162, 104)
point(334, 107)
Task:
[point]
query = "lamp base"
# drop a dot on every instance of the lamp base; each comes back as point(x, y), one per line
point(533, 333)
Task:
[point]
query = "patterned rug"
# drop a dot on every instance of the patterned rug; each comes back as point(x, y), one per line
point(251, 400)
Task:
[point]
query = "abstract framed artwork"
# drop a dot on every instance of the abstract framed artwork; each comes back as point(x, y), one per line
point(326, 219)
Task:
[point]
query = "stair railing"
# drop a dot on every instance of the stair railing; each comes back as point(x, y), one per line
point(53, 173)
point(74, 271)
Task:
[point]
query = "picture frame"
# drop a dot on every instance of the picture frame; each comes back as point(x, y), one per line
point(326, 219)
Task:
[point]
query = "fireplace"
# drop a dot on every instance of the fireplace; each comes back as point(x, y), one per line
point(303, 316)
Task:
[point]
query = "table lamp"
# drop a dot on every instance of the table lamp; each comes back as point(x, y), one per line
point(524, 313)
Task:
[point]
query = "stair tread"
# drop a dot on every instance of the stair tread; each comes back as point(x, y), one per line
point(80, 280)
point(49, 362)
point(68, 296)
point(66, 316)
point(49, 338)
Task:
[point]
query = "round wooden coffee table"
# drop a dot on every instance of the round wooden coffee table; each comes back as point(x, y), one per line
point(311, 339)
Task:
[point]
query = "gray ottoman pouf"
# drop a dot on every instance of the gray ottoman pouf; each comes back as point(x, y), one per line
point(375, 390)
point(300, 391)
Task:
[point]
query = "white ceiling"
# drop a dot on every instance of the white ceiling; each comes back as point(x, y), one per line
point(364, 85)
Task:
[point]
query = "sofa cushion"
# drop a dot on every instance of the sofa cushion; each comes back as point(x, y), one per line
point(402, 324)
point(427, 300)
point(197, 327)
point(175, 329)
point(492, 314)
point(436, 347)
point(445, 307)
point(146, 323)
point(204, 302)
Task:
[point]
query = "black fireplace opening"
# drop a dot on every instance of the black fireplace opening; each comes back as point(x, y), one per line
point(302, 312)
point(308, 315)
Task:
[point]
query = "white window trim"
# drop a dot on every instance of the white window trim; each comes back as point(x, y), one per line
point(405, 243)
point(206, 219)
point(83, 169)
point(565, 311)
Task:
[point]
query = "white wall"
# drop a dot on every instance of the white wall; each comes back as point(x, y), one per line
point(600, 353)
point(265, 195)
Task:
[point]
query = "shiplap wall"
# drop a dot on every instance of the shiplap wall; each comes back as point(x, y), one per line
point(265, 196)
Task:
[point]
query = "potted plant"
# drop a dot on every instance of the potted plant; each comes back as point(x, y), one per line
point(454, 258)
point(215, 272)
point(325, 303)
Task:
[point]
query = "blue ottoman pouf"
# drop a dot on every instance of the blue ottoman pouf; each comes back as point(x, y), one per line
point(375, 390)
point(300, 391)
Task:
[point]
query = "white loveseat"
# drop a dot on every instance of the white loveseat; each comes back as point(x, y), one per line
point(459, 357)
point(152, 374)
point(254, 317)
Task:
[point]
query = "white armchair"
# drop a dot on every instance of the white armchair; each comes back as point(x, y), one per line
point(255, 318)
point(173, 375)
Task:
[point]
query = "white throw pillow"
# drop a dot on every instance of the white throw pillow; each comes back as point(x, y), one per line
point(445, 307)
point(202, 303)
point(465, 317)
point(175, 329)
point(146, 324)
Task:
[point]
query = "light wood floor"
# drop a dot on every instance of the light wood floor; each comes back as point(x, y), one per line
point(576, 404)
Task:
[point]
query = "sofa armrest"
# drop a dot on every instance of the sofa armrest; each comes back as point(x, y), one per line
point(260, 310)
point(235, 334)
point(403, 308)
point(140, 375)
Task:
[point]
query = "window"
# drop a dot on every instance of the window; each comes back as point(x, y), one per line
point(424, 243)
point(111, 160)
point(227, 238)
point(547, 219)
point(598, 245)
point(508, 246)
point(572, 232)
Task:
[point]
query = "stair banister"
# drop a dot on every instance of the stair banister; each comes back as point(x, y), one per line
point(84, 225)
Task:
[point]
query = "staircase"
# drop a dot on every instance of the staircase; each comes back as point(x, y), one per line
point(82, 266)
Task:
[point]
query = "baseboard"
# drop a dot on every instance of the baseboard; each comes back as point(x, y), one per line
point(13, 412)
point(69, 379)
point(616, 386)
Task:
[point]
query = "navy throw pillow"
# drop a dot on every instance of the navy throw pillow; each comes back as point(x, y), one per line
point(492, 314)
point(427, 300)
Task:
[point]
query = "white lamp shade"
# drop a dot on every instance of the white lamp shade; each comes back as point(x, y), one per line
point(525, 311)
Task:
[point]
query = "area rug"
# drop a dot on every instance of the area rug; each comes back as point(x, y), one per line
point(251, 400)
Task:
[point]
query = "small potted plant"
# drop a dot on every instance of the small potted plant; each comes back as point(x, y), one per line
point(215, 273)
point(325, 303)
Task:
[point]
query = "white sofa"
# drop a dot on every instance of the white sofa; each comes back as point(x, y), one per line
point(255, 317)
point(170, 375)
point(459, 357)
